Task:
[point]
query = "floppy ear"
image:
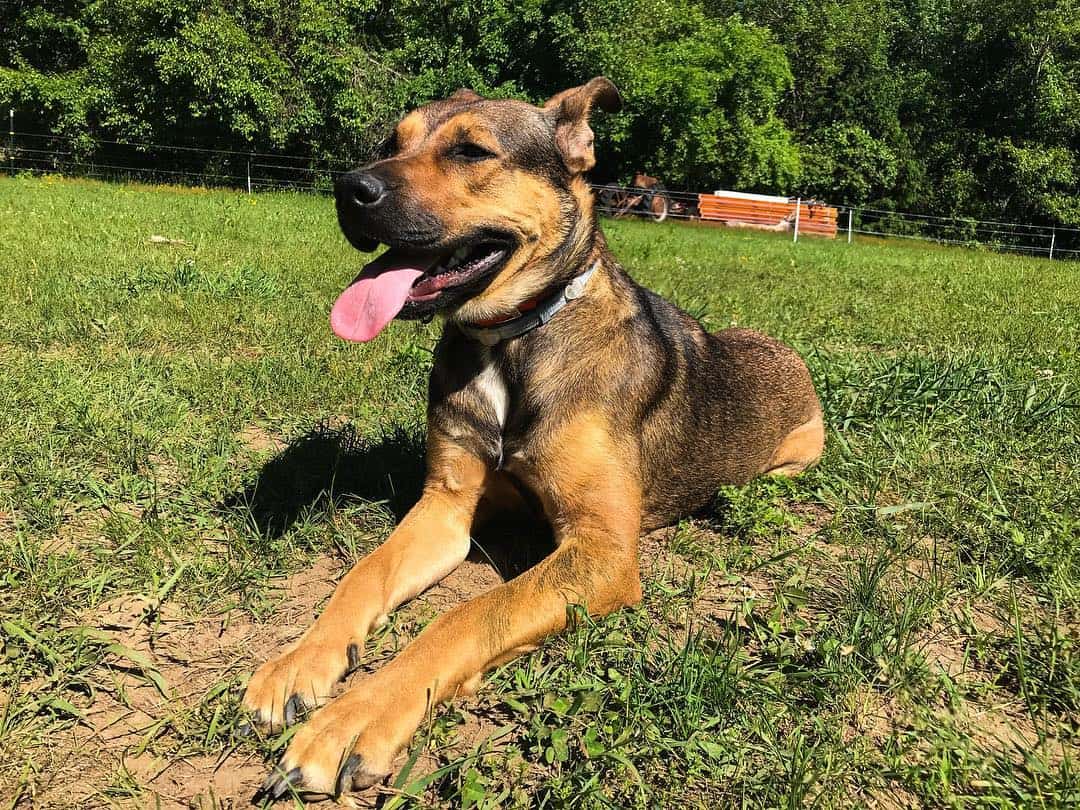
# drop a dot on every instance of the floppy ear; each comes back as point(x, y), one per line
point(571, 108)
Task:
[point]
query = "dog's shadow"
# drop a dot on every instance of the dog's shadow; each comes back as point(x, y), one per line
point(332, 465)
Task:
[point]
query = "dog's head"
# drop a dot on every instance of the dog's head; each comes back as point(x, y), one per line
point(481, 203)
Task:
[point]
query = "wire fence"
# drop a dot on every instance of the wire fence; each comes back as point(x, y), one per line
point(38, 153)
point(615, 200)
point(41, 153)
point(1052, 242)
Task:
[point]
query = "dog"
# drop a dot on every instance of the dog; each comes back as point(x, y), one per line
point(559, 384)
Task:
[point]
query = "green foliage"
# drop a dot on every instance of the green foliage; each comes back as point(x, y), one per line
point(845, 162)
point(331, 75)
point(267, 75)
point(963, 107)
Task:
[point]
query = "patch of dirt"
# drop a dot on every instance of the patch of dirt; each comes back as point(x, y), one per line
point(250, 352)
point(946, 651)
point(873, 715)
point(259, 440)
point(999, 725)
point(717, 597)
point(7, 524)
point(165, 470)
point(813, 517)
point(150, 695)
point(81, 526)
point(126, 743)
point(721, 597)
point(892, 797)
point(154, 682)
point(198, 781)
point(470, 579)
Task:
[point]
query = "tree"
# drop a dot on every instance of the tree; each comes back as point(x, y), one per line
point(945, 106)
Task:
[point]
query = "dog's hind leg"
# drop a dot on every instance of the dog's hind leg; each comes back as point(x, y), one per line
point(431, 541)
point(799, 449)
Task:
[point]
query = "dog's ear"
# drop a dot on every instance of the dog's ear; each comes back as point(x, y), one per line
point(571, 107)
point(465, 94)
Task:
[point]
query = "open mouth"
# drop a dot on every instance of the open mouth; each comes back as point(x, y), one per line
point(419, 280)
point(464, 265)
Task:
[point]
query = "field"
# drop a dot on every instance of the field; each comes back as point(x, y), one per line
point(189, 460)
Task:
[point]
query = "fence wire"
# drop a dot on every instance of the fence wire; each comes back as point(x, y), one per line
point(45, 153)
point(164, 163)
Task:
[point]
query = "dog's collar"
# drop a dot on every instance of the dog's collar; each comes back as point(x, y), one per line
point(531, 314)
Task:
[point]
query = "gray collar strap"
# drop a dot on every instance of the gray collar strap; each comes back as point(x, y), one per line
point(544, 312)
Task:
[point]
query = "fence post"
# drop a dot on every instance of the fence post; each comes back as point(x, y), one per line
point(11, 137)
point(249, 174)
point(1053, 239)
point(850, 217)
point(798, 205)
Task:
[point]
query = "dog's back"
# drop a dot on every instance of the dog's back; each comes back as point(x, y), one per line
point(718, 408)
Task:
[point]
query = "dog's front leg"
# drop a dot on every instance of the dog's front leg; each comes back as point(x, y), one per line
point(354, 739)
point(431, 541)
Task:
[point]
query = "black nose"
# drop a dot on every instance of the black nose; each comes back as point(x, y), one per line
point(360, 188)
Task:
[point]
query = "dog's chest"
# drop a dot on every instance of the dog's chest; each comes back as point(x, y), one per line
point(479, 400)
point(481, 408)
point(500, 401)
point(511, 416)
point(493, 391)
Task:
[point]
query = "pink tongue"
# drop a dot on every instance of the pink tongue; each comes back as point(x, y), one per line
point(372, 301)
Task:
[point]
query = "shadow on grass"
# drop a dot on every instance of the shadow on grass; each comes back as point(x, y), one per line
point(330, 465)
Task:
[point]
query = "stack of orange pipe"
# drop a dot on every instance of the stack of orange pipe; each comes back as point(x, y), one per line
point(758, 210)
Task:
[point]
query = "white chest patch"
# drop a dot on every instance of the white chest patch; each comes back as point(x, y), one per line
point(493, 388)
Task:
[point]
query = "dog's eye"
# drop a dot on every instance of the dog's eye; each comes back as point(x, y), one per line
point(469, 152)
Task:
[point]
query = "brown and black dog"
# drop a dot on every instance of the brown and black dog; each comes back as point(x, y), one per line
point(557, 382)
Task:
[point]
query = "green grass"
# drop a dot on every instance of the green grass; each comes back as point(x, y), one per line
point(179, 430)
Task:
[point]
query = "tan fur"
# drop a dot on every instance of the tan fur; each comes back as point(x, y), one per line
point(572, 131)
point(799, 450)
point(620, 414)
point(589, 490)
point(430, 542)
point(410, 130)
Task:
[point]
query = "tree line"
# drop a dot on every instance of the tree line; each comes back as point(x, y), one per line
point(944, 106)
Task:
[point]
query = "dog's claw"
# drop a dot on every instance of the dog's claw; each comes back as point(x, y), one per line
point(268, 783)
point(354, 656)
point(247, 727)
point(293, 709)
point(293, 777)
point(277, 784)
point(344, 780)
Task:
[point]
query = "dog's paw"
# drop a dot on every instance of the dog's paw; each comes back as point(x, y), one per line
point(284, 688)
point(348, 744)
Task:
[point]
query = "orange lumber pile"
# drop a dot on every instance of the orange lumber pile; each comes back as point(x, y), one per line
point(763, 212)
